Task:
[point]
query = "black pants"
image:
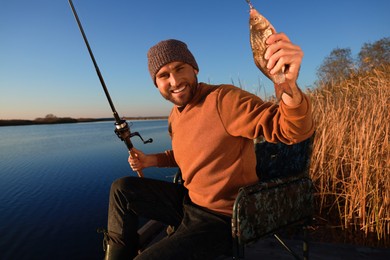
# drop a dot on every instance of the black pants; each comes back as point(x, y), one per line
point(200, 234)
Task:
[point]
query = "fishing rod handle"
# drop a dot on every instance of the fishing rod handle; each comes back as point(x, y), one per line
point(133, 155)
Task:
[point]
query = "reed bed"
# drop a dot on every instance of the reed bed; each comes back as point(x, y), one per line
point(350, 165)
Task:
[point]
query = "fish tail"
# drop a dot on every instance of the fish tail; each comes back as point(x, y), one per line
point(279, 77)
point(282, 88)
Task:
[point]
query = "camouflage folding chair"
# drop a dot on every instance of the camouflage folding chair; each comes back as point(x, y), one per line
point(283, 197)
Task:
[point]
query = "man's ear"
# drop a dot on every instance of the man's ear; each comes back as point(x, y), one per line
point(196, 72)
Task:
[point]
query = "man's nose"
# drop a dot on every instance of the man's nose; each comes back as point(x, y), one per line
point(173, 80)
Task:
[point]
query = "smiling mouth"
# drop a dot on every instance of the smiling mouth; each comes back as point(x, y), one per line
point(179, 90)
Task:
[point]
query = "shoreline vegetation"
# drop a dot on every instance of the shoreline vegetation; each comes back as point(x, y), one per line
point(52, 119)
point(350, 160)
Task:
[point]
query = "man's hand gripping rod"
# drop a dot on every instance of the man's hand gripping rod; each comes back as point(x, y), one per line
point(121, 127)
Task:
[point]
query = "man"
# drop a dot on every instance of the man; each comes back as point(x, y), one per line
point(212, 130)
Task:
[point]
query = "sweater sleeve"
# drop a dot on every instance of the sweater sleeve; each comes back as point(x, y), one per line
point(245, 114)
point(297, 122)
point(166, 159)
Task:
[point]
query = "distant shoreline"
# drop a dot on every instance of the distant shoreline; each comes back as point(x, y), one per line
point(68, 120)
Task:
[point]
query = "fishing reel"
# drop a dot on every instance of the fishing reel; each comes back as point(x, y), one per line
point(122, 130)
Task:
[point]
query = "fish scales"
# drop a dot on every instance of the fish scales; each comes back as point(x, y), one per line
point(260, 29)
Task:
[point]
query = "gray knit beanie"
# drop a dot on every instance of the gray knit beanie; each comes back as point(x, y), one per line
point(168, 51)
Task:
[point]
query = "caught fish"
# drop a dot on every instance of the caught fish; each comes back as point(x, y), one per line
point(260, 29)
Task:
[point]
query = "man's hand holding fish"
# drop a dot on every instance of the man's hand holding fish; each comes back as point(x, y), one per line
point(282, 53)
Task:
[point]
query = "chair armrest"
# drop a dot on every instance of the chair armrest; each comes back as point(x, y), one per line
point(263, 185)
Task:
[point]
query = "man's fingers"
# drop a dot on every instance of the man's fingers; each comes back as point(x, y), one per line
point(284, 55)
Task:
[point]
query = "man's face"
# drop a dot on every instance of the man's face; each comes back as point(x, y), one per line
point(177, 82)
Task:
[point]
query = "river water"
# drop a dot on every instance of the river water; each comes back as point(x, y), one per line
point(55, 181)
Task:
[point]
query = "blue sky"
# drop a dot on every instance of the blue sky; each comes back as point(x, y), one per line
point(45, 67)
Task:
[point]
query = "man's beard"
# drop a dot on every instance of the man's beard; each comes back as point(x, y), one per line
point(182, 103)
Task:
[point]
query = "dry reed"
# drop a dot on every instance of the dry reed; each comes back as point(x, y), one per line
point(351, 156)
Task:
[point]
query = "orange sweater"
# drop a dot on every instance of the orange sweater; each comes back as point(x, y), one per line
point(212, 140)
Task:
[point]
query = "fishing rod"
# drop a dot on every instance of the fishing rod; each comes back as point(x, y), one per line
point(122, 129)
